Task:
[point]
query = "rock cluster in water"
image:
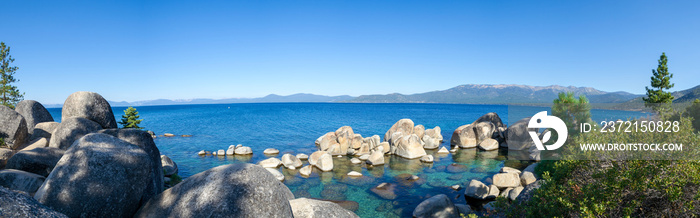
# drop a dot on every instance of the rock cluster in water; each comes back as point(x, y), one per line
point(86, 167)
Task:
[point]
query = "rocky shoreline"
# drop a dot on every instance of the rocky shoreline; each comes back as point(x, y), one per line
point(86, 166)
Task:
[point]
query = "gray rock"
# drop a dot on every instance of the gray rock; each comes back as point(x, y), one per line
point(410, 147)
point(492, 118)
point(483, 131)
point(234, 190)
point(506, 180)
point(99, 176)
point(517, 136)
point(436, 206)
point(36, 143)
point(91, 106)
point(19, 204)
point(33, 113)
point(513, 194)
point(404, 126)
point(419, 130)
point(20, 181)
point(289, 160)
point(476, 189)
point(326, 140)
point(376, 158)
point(464, 137)
point(527, 178)
point(243, 150)
point(527, 192)
point(270, 163)
point(493, 192)
point(430, 142)
point(38, 161)
point(5, 155)
point(531, 168)
point(13, 128)
point(276, 173)
point(44, 130)
point(70, 130)
point(169, 166)
point(145, 141)
point(310, 208)
point(464, 209)
point(488, 144)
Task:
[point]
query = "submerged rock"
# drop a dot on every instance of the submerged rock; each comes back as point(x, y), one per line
point(436, 206)
point(234, 190)
point(385, 190)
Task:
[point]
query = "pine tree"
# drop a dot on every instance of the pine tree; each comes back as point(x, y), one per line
point(571, 110)
point(130, 119)
point(9, 94)
point(694, 112)
point(657, 98)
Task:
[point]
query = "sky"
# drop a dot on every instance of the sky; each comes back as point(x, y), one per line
point(143, 50)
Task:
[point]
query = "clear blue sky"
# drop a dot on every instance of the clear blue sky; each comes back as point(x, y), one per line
point(145, 50)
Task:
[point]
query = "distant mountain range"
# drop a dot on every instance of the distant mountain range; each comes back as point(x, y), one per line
point(301, 97)
point(498, 94)
point(464, 94)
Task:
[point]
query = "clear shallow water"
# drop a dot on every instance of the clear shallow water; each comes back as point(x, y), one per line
point(293, 128)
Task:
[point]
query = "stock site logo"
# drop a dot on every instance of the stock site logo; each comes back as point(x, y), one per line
point(541, 120)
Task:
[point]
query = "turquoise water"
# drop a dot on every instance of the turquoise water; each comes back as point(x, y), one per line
point(293, 128)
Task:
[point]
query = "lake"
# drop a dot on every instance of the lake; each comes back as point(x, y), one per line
point(293, 128)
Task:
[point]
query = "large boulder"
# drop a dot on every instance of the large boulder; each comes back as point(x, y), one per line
point(325, 141)
point(430, 142)
point(436, 206)
point(99, 176)
point(345, 137)
point(506, 180)
point(419, 130)
point(324, 162)
point(464, 137)
point(33, 113)
point(70, 130)
point(145, 141)
point(291, 161)
point(410, 147)
point(19, 204)
point(492, 118)
point(13, 128)
point(434, 133)
point(517, 136)
point(477, 189)
point(39, 160)
point(169, 166)
point(483, 131)
point(234, 190)
point(404, 126)
point(310, 208)
point(44, 130)
point(20, 181)
point(376, 158)
point(91, 106)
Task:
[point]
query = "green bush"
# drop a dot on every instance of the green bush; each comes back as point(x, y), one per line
point(586, 184)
